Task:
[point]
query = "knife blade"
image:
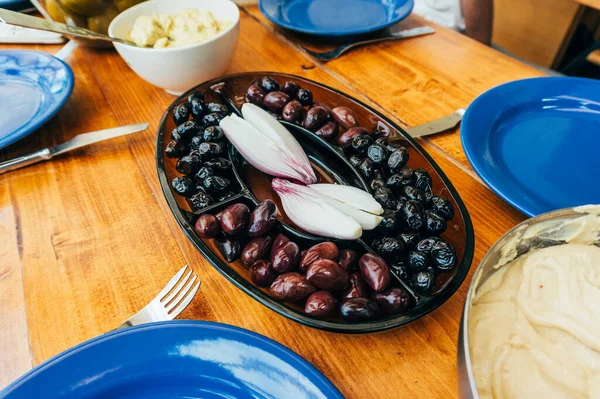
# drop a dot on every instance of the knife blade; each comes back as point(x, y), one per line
point(78, 141)
point(438, 125)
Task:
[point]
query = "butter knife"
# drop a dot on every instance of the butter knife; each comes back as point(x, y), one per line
point(437, 126)
point(78, 141)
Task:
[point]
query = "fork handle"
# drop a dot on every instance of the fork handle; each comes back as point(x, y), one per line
point(403, 34)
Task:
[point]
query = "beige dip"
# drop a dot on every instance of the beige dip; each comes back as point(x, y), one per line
point(534, 326)
point(189, 26)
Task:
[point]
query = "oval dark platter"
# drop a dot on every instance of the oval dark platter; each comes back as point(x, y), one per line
point(331, 165)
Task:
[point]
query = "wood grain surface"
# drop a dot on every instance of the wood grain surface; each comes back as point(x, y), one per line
point(590, 3)
point(87, 239)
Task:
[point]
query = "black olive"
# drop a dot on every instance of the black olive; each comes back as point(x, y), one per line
point(200, 200)
point(400, 201)
point(183, 186)
point(390, 248)
point(389, 223)
point(290, 88)
point(215, 184)
point(397, 182)
point(213, 133)
point(219, 165)
point(355, 161)
point(195, 143)
point(415, 194)
point(198, 109)
point(269, 84)
point(377, 154)
point(376, 241)
point(211, 119)
point(417, 261)
point(304, 96)
point(218, 108)
point(398, 159)
point(225, 195)
point(381, 141)
point(426, 244)
point(385, 197)
point(423, 282)
point(231, 249)
point(210, 150)
point(443, 256)
point(400, 269)
point(175, 135)
point(366, 168)
point(421, 179)
point(379, 174)
point(410, 240)
point(203, 173)
point(435, 224)
point(443, 207)
point(176, 149)
point(189, 164)
point(412, 215)
point(181, 113)
point(360, 143)
point(188, 130)
point(195, 95)
point(376, 183)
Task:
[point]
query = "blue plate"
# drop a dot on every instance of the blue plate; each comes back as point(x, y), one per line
point(33, 87)
point(535, 142)
point(180, 359)
point(16, 5)
point(335, 17)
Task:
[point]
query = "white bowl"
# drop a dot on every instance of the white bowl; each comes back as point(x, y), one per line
point(177, 69)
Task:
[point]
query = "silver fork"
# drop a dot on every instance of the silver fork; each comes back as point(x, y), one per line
point(169, 302)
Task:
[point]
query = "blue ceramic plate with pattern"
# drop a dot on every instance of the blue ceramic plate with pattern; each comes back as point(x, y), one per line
point(336, 17)
point(33, 87)
point(177, 359)
point(16, 5)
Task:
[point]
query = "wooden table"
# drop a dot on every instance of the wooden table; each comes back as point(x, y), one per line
point(87, 239)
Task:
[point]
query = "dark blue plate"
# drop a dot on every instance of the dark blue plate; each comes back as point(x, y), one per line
point(335, 17)
point(179, 359)
point(16, 5)
point(33, 87)
point(535, 142)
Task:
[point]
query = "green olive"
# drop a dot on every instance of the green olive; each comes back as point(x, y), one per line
point(100, 23)
point(88, 8)
point(55, 11)
point(123, 5)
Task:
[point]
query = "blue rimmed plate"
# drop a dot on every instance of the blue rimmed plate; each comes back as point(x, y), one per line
point(33, 87)
point(336, 17)
point(15, 5)
point(535, 142)
point(178, 359)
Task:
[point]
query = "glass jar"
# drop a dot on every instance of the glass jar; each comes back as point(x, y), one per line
point(94, 15)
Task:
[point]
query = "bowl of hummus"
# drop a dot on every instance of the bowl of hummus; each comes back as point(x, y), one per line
point(183, 42)
point(531, 322)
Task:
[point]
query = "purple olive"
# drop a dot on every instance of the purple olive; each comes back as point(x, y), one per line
point(262, 218)
point(279, 240)
point(358, 309)
point(328, 131)
point(348, 259)
point(286, 257)
point(276, 100)
point(348, 135)
point(292, 111)
point(324, 250)
point(256, 249)
point(315, 118)
point(262, 274)
point(291, 287)
point(234, 218)
point(305, 96)
point(255, 95)
point(357, 289)
point(392, 301)
point(374, 271)
point(207, 226)
point(290, 88)
point(229, 248)
point(327, 275)
point(320, 304)
point(345, 117)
